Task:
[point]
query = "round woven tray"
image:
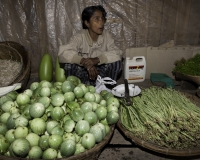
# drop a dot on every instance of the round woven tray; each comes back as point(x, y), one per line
point(26, 68)
point(180, 76)
point(91, 154)
point(159, 149)
point(11, 54)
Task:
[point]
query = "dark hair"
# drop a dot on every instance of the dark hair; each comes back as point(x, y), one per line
point(88, 13)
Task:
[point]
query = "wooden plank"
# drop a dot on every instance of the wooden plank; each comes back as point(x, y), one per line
point(161, 60)
point(182, 20)
point(168, 21)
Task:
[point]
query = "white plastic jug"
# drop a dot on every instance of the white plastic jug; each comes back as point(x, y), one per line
point(135, 69)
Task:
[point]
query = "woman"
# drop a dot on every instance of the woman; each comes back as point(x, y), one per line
point(91, 51)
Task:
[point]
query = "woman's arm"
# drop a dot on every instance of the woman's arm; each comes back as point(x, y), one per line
point(70, 53)
point(111, 53)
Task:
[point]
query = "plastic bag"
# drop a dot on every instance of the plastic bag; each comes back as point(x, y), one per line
point(100, 83)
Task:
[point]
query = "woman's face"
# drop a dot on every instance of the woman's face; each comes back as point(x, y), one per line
point(96, 24)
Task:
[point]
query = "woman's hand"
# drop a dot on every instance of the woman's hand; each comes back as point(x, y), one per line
point(89, 62)
point(92, 71)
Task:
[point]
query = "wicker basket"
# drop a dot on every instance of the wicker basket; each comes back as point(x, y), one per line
point(159, 149)
point(180, 76)
point(11, 55)
point(91, 154)
point(26, 68)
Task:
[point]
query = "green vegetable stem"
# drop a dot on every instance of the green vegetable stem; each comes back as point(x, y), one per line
point(165, 117)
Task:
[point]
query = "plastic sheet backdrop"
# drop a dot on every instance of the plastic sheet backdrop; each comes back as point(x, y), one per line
point(38, 25)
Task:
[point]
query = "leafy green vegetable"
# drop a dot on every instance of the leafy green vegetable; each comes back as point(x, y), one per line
point(188, 67)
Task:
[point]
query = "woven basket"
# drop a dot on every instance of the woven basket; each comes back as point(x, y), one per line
point(159, 149)
point(26, 68)
point(10, 54)
point(180, 76)
point(91, 154)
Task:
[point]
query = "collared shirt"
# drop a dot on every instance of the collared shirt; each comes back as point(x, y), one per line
point(81, 46)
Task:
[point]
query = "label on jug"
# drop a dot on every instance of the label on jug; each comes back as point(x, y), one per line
point(135, 72)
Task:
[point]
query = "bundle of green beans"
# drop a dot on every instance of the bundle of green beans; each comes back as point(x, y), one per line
point(164, 117)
